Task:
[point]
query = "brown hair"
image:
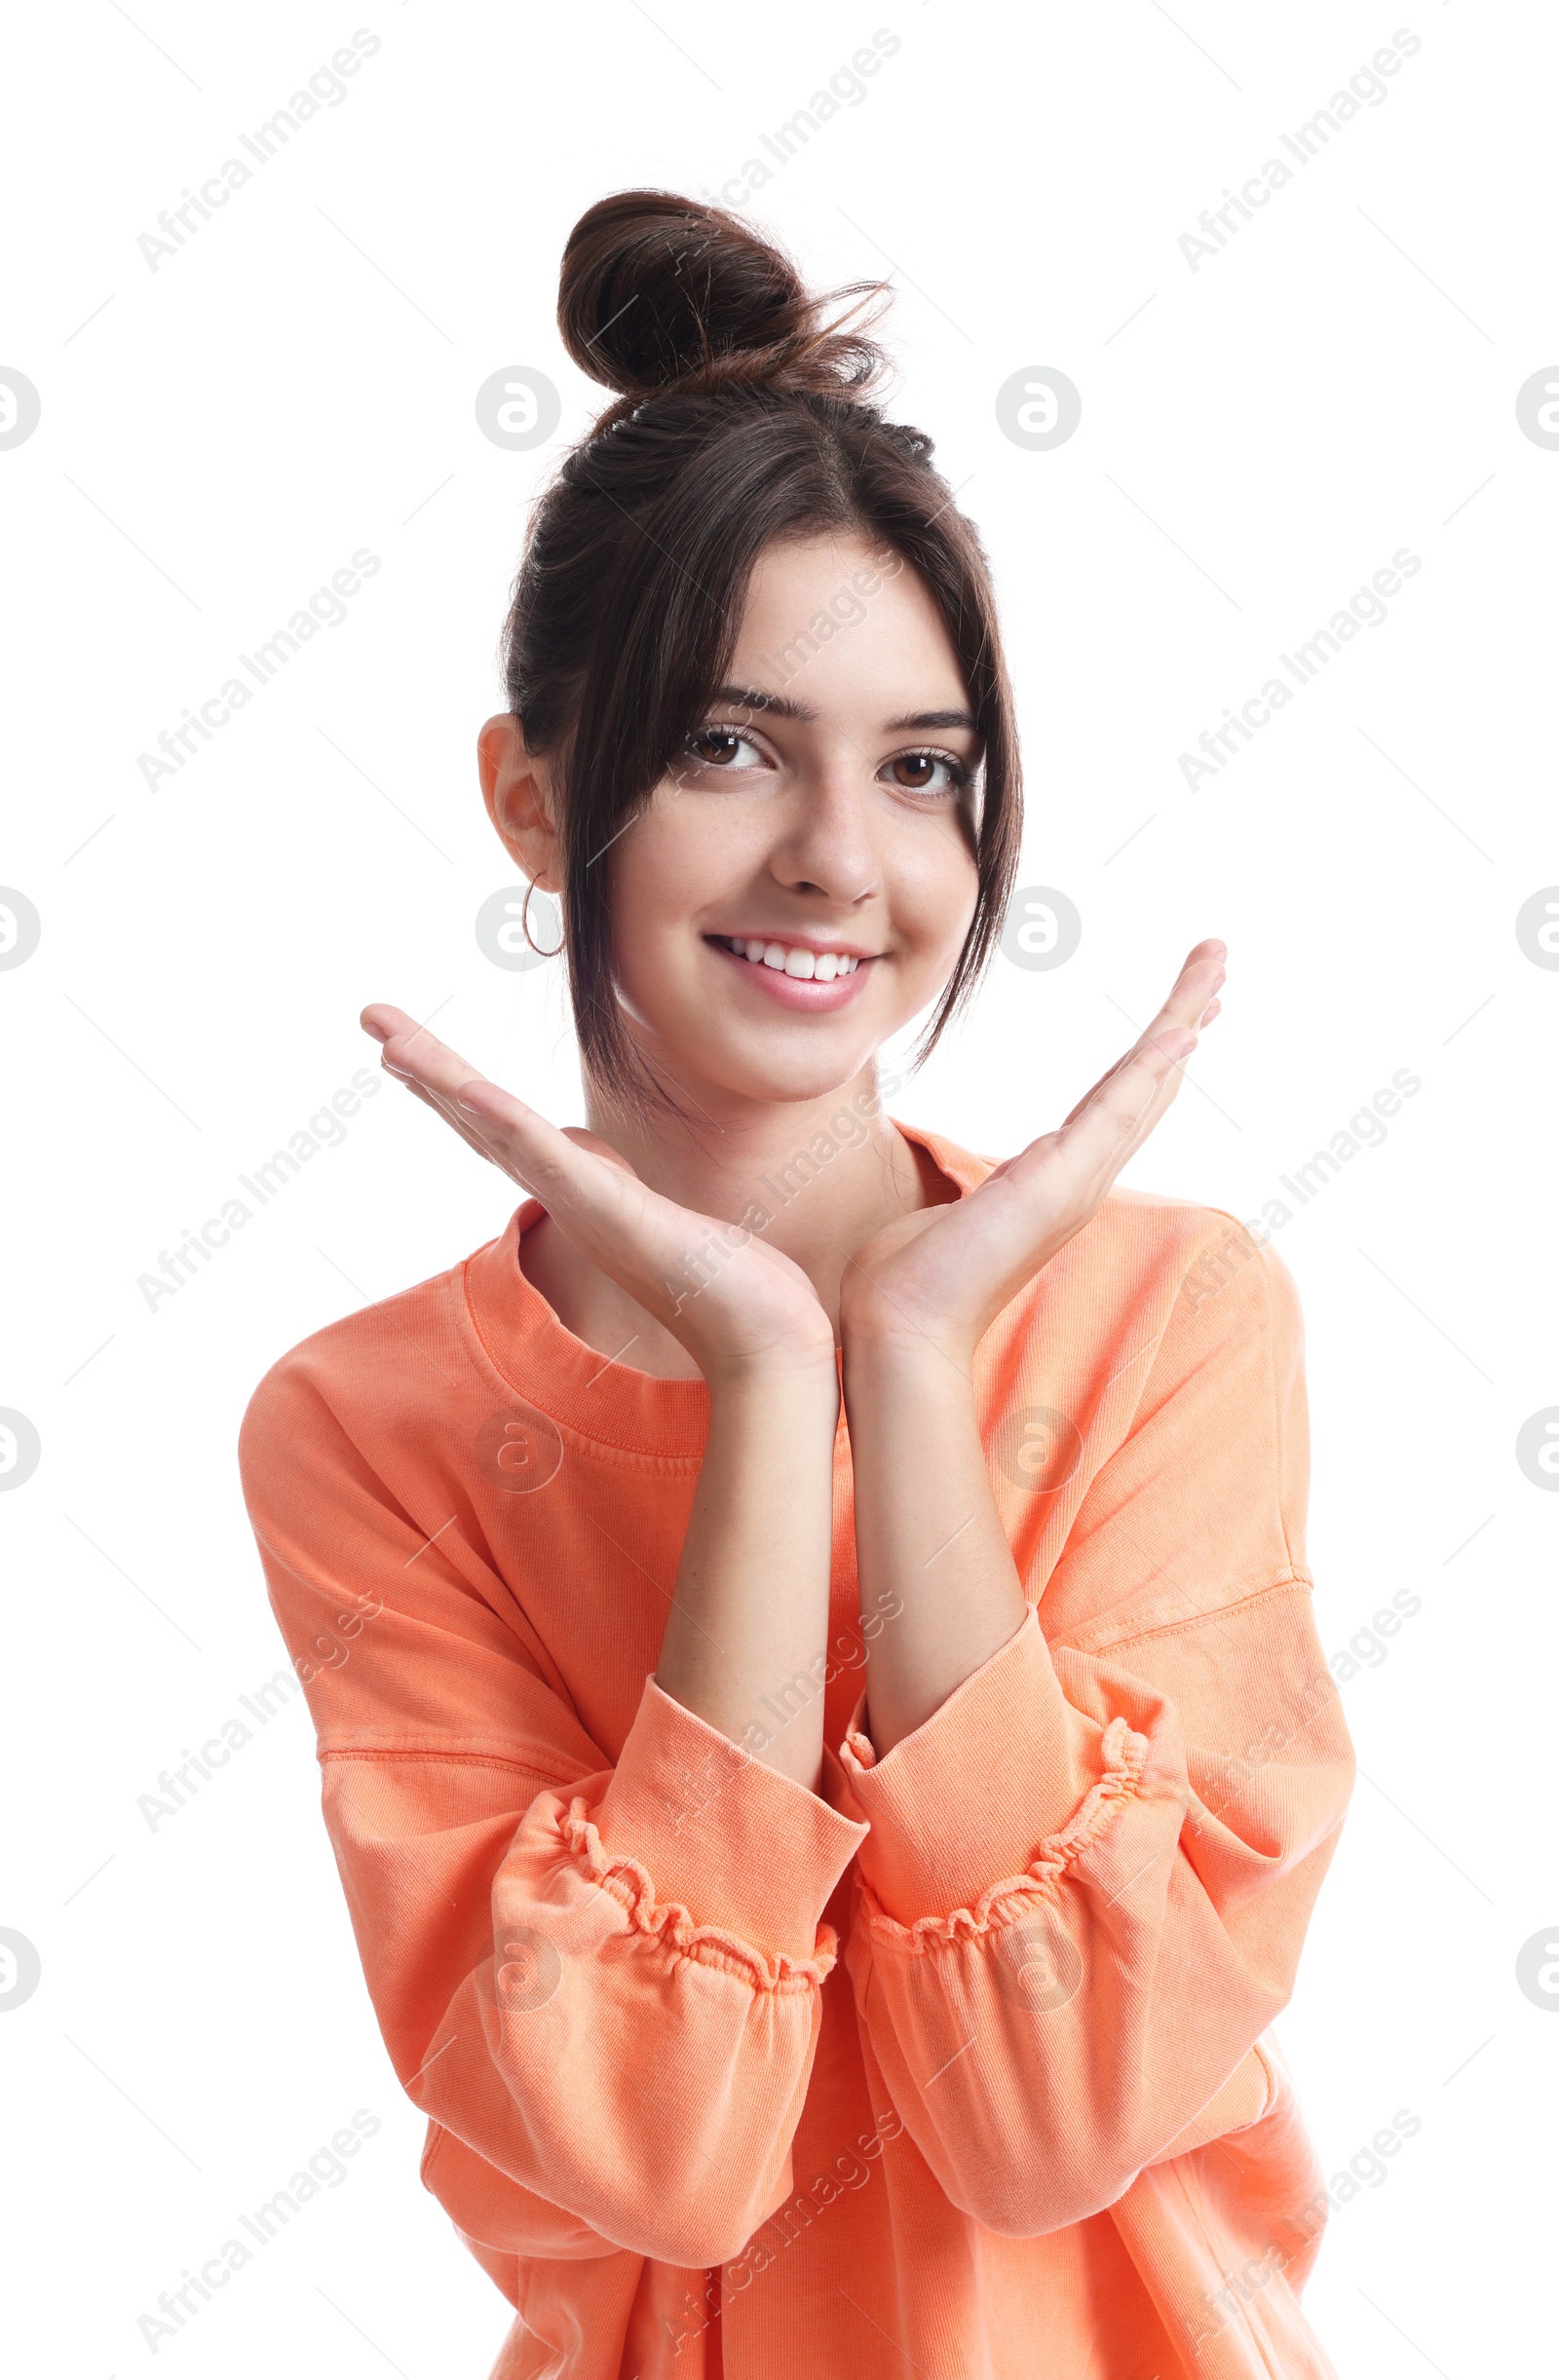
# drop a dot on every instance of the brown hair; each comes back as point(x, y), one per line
point(742, 416)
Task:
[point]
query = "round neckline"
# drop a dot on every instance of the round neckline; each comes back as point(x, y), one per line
point(595, 1396)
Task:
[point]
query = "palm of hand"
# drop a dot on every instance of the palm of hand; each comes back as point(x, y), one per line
point(939, 1276)
point(942, 1276)
point(729, 1299)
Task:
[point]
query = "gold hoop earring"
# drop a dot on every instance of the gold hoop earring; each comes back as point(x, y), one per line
point(524, 926)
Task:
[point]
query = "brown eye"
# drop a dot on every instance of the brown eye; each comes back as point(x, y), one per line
point(715, 745)
point(929, 773)
point(725, 747)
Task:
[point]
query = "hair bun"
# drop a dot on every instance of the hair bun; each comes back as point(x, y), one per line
point(659, 293)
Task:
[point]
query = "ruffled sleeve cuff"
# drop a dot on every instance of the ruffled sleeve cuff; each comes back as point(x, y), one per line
point(1004, 1785)
point(744, 1851)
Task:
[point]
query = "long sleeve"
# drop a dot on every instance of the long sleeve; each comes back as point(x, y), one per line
point(1089, 1872)
point(602, 1985)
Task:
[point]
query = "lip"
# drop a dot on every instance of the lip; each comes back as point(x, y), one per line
point(801, 991)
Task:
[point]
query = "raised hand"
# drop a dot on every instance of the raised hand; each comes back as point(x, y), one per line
point(729, 1299)
point(752, 1323)
point(916, 1301)
point(944, 1274)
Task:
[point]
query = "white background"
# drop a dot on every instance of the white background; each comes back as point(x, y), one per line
point(1258, 436)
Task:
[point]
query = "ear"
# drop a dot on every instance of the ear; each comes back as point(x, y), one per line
point(517, 787)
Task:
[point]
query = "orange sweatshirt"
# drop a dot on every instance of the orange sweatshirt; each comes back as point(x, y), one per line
point(960, 2067)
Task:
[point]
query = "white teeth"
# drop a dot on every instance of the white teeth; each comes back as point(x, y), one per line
point(820, 966)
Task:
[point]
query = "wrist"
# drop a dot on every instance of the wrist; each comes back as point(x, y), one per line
point(903, 1393)
point(890, 1347)
point(797, 1379)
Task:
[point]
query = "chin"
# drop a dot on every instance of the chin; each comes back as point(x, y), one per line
point(786, 1072)
point(768, 1082)
point(777, 1060)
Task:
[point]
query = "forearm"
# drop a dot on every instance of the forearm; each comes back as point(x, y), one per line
point(749, 1618)
point(926, 1532)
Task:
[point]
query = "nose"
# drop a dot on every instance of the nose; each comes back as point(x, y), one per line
point(826, 846)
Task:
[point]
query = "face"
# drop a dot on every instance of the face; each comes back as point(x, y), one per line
point(799, 885)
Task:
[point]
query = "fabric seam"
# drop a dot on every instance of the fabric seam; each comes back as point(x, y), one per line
point(454, 1758)
point(630, 1884)
point(1292, 1577)
point(1124, 1755)
point(683, 1458)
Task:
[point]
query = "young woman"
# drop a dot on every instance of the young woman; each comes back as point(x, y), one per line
point(821, 1724)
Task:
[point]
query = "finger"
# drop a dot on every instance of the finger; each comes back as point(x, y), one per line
point(388, 1024)
point(568, 1180)
point(1153, 1059)
point(475, 1137)
point(1112, 1120)
point(1079, 1162)
point(1191, 1006)
point(381, 1018)
point(1191, 1003)
point(445, 1083)
point(1198, 980)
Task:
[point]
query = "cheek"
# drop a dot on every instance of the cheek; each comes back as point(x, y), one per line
point(931, 882)
point(677, 865)
point(665, 867)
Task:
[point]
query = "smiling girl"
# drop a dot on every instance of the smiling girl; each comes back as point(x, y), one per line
point(822, 1724)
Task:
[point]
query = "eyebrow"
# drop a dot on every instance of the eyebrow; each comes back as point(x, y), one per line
point(748, 699)
point(931, 719)
point(780, 707)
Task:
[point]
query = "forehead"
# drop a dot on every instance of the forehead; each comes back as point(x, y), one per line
point(833, 620)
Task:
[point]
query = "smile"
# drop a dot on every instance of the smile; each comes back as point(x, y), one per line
point(792, 973)
point(792, 958)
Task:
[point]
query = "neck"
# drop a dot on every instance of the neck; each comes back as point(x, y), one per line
point(814, 1177)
